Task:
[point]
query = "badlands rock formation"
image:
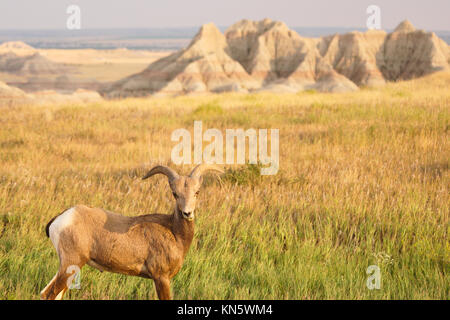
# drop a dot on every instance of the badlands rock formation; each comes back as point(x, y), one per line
point(18, 58)
point(267, 55)
point(46, 82)
point(203, 66)
point(9, 94)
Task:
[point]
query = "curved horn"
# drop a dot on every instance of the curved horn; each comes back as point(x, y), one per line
point(170, 173)
point(201, 168)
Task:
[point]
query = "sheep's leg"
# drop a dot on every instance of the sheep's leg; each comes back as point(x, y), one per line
point(58, 286)
point(55, 289)
point(61, 294)
point(45, 292)
point(163, 288)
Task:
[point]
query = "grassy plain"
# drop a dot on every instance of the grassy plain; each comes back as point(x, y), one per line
point(363, 181)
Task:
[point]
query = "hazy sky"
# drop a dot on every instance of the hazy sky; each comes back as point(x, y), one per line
point(51, 14)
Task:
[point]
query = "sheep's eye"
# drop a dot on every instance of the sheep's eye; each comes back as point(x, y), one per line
point(175, 195)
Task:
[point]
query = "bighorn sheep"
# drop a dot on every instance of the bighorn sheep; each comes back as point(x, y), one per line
point(151, 246)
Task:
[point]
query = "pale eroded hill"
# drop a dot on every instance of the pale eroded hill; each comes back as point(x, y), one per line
point(268, 56)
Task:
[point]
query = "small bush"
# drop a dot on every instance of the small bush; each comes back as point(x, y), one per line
point(208, 109)
point(248, 175)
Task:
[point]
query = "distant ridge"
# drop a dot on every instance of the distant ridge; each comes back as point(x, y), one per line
point(15, 45)
point(155, 39)
point(268, 56)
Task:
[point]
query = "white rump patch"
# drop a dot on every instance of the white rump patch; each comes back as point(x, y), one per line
point(60, 223)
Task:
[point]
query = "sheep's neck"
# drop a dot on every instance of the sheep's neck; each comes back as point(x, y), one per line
point(183, 231)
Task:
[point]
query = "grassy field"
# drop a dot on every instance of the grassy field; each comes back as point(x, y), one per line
point(363, 181)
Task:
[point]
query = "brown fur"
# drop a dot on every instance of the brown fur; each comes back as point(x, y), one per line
point(151, 246)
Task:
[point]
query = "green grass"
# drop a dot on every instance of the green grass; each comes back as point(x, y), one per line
point(363, 181)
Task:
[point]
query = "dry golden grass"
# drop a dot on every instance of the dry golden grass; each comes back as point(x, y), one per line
point(363, 180)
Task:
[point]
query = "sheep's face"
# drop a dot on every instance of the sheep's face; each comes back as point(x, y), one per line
point(184, 188)
point(185, 191)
